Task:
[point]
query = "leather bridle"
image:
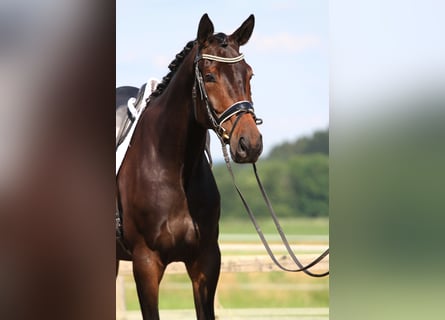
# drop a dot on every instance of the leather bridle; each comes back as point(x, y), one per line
point(239, 108)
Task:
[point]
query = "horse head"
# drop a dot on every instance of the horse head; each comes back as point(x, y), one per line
point(223, 100)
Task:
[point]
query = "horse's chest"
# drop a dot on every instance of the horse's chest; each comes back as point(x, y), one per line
point(178, 235)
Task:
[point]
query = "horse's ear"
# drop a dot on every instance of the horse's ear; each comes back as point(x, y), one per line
point(243, 33)
point(205, 29)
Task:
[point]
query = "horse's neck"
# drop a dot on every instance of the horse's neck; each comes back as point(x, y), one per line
point(181, 140)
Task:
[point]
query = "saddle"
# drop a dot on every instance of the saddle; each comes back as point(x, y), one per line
point(134, 107)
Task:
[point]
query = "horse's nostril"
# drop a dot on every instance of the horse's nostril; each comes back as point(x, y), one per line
point(242, 144)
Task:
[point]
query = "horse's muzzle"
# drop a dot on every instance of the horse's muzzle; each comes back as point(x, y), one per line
point(247, 150)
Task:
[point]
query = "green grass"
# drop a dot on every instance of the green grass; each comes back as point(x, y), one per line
point(244, 290)
point(291, 226)
point(272, 290)
point(297, 230)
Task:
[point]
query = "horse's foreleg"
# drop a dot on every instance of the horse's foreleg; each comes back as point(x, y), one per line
point(204, 273)
point(148, 271)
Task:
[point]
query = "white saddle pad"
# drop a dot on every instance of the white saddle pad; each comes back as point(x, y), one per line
point(123, 147)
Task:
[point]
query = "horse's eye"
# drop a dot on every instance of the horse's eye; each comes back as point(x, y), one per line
point(209, 77)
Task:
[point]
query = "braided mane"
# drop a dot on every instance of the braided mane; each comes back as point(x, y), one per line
point(173, 66)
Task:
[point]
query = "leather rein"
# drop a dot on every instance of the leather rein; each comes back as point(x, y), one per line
point(301, 267)
point(239, 108)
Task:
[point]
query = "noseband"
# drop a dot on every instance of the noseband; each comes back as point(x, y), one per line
point(238, 108)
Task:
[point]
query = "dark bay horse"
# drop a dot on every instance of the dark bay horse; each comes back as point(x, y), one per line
point(167, 195)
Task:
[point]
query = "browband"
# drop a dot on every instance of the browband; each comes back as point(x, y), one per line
point(220, 59)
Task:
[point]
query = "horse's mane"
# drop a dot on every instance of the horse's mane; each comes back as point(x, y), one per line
point(173, 66)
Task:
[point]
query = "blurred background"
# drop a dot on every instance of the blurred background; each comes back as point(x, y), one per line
point(387, 111)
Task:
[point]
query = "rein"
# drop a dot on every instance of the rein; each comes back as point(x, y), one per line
point(301, 267)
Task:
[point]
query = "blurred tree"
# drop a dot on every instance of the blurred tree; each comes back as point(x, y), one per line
point(317, 143)
point(295, 176)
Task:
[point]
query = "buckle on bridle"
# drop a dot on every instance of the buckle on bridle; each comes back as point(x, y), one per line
point(239, 109)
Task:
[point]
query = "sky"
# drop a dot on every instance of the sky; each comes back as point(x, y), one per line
point(288, 51)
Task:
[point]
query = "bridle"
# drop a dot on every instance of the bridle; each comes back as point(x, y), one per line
point(238, 108)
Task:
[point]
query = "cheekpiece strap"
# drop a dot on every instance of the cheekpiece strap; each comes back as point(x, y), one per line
point(237, 108)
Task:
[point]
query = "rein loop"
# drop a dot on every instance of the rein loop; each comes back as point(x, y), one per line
point(301, 267)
